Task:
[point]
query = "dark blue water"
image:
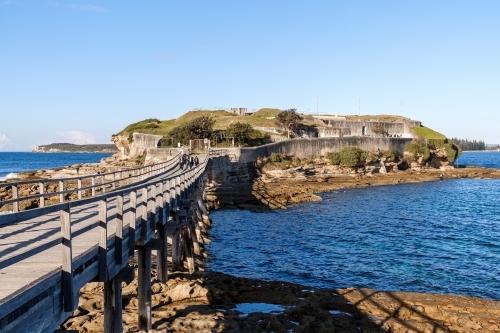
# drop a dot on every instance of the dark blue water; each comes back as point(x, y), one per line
point(487, 159)
point(25, 161)
point(441, 237)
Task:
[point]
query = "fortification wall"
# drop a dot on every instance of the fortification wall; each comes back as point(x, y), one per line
point(393, 128)
point(225, 170)
point(303, 148)
point(141, 142)
point(157, 155)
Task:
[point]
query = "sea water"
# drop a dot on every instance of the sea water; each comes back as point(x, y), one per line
point(12, 163)
point(440, 237)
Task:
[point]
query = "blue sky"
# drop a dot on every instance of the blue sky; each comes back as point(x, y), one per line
point(81, 71)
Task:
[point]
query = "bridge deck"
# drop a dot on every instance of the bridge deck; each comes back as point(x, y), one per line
point(31, 249)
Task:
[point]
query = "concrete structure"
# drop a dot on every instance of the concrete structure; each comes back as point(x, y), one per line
point(157, 155)
point(327, 119)
point(332, 132)
point(239, 111)
point(337, 127)
point(303, 148)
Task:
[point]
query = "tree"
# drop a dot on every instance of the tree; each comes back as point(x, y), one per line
point(197, 128)
point(288, 119)
point(240, 131)
point(379, 129)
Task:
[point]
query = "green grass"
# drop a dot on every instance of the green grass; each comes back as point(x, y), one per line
point(427, 133)
point(266, 112)
point(195, 114)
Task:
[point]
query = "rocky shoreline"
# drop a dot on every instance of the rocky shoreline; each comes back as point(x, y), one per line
point(209, 301)
point(278, 185)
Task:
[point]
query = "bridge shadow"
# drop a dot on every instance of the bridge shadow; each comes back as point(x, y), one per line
point(216, 302)
point(219, 300)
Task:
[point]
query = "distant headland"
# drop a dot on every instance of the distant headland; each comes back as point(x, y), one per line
point(72, 148)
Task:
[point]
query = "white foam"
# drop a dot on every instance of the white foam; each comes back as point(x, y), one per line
point(248, 308)
point(9, 176)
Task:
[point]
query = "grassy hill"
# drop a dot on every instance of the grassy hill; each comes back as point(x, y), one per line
point(262, 118)
point(222, 120)
point(427, 133)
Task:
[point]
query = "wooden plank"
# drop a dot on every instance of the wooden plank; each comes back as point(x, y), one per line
point(161, 255)
point(144, 288)
point(27, 293)
point(194, 239)
point(127, 275)
point(15, 204)
point(188, 249)
point(67, 259)
point(132, 221)
point(30, 319)
point(113, 306)
point(153, 244)
point(102, 218)
point(41, 188)
point(144, 214)
point(119, 229)
point(89, 274)
point(176, 251)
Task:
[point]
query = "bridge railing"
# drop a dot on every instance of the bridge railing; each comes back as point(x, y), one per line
point(84, 186)
point(136, 210)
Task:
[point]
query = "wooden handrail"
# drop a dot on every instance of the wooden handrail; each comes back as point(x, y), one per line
point(191, 176)
point(142, 173)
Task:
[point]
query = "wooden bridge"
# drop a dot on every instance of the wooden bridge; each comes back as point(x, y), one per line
point(48, 253)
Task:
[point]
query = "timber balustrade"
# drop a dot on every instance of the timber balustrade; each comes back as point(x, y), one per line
point(94, 238)
point(102, 183)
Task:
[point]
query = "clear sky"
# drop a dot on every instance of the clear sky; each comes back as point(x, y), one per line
point(81, 71)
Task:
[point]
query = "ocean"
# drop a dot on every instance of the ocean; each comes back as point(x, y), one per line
point(440, 237)
point(15, 162)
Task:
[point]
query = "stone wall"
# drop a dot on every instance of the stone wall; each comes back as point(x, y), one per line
point(223, 170)
point(157, 155)
point(359, 128)
point(303, 148)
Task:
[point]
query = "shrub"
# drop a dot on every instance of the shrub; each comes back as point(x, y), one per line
point(390, 155)
point(276, 158)
point(353, 156)
point(452, 151)
point(151, 125)
point(378, 129)
point(418, 148)
point(240, 131)
point(334, 158)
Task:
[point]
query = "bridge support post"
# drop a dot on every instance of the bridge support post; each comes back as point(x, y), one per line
point(176, 250)
point(113, 306)
point(188, 251)
point(176, 246)
point(161, 256)
point(144, 288)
